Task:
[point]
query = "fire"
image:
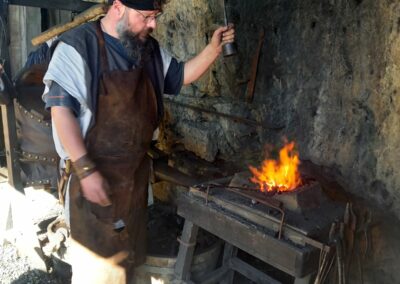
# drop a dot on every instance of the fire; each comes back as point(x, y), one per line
point(281, 175)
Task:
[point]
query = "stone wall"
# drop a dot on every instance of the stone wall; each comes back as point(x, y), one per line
point(327, 79)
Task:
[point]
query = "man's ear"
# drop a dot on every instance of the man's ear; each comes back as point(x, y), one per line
point(119, 7)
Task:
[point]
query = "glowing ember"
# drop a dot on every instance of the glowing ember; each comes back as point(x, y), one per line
point(281, 175)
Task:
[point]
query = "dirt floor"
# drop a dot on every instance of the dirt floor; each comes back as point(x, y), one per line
point(18, 270)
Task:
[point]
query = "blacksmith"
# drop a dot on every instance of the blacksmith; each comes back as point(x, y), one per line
point(104, 86)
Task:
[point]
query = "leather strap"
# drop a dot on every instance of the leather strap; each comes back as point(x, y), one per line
point(102, 47)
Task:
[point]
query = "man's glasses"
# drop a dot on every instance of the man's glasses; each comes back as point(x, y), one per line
point(148, 19)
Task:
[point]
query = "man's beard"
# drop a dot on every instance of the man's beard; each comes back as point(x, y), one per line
point(139, 49)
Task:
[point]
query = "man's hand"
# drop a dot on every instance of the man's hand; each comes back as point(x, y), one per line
point(195, 67)
point(222, 36)
point(96, 189)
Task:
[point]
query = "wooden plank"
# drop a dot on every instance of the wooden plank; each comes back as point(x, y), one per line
point(186, 251)
point(250, 272)
point(70, 5)
point(11, 144)
point(278, 253)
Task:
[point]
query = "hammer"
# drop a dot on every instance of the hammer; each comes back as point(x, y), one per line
point(229, 48)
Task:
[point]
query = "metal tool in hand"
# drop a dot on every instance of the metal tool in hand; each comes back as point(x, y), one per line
point(229, 48)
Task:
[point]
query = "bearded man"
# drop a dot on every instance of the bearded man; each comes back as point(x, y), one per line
point(104, 86)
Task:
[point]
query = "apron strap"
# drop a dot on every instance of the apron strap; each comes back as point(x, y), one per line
point(102, 47)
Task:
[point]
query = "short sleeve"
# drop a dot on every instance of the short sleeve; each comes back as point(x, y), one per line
point(173, 73)
point(58, 96)
point(174, 79)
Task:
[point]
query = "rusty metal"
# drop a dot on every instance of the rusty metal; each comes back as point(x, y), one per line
point(257, 190)
point(327, 271)
point(207, 194)
point(323, 259)
point(254, 67)
point(57, 234)
point(340, 261)
point(350, 221)
point(363, 229)
point(234, 118)
point(327, 258)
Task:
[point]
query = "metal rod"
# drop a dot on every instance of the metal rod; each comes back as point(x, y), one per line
point(257, 190)
point(225, 115)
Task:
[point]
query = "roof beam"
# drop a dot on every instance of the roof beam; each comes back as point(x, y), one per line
point(69, 5)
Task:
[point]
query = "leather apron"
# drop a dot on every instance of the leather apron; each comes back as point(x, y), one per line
point(125, 121)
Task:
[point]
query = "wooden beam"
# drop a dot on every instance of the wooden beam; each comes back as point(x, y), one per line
point(7, 111)
point(70, 5)
point(10, 141)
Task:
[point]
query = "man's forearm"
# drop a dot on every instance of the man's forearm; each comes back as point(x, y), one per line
point(199, 64)
point(69, 132)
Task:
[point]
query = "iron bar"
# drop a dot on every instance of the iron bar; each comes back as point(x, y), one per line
point(225, 115)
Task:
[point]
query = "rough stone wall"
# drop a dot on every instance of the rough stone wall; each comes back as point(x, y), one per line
point(327, 79)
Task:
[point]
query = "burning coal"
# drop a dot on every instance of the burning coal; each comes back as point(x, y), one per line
point(279, 175)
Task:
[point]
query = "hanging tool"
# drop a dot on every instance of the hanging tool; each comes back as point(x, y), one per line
point(229, 48)
point(254, 68)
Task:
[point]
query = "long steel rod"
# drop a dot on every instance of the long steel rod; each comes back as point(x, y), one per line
point(237, 119)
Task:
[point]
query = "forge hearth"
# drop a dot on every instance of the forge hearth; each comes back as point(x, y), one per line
point(288, 231)
point(307, 196)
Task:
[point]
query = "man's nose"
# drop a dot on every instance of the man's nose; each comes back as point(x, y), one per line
point(152, 23)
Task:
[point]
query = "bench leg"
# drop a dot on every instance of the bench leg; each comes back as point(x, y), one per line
point(186, 251)
point(229, 252)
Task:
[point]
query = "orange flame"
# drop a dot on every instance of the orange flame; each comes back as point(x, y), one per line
point(282, 175)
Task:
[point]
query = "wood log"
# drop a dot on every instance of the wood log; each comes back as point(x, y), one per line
point(86, 16)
